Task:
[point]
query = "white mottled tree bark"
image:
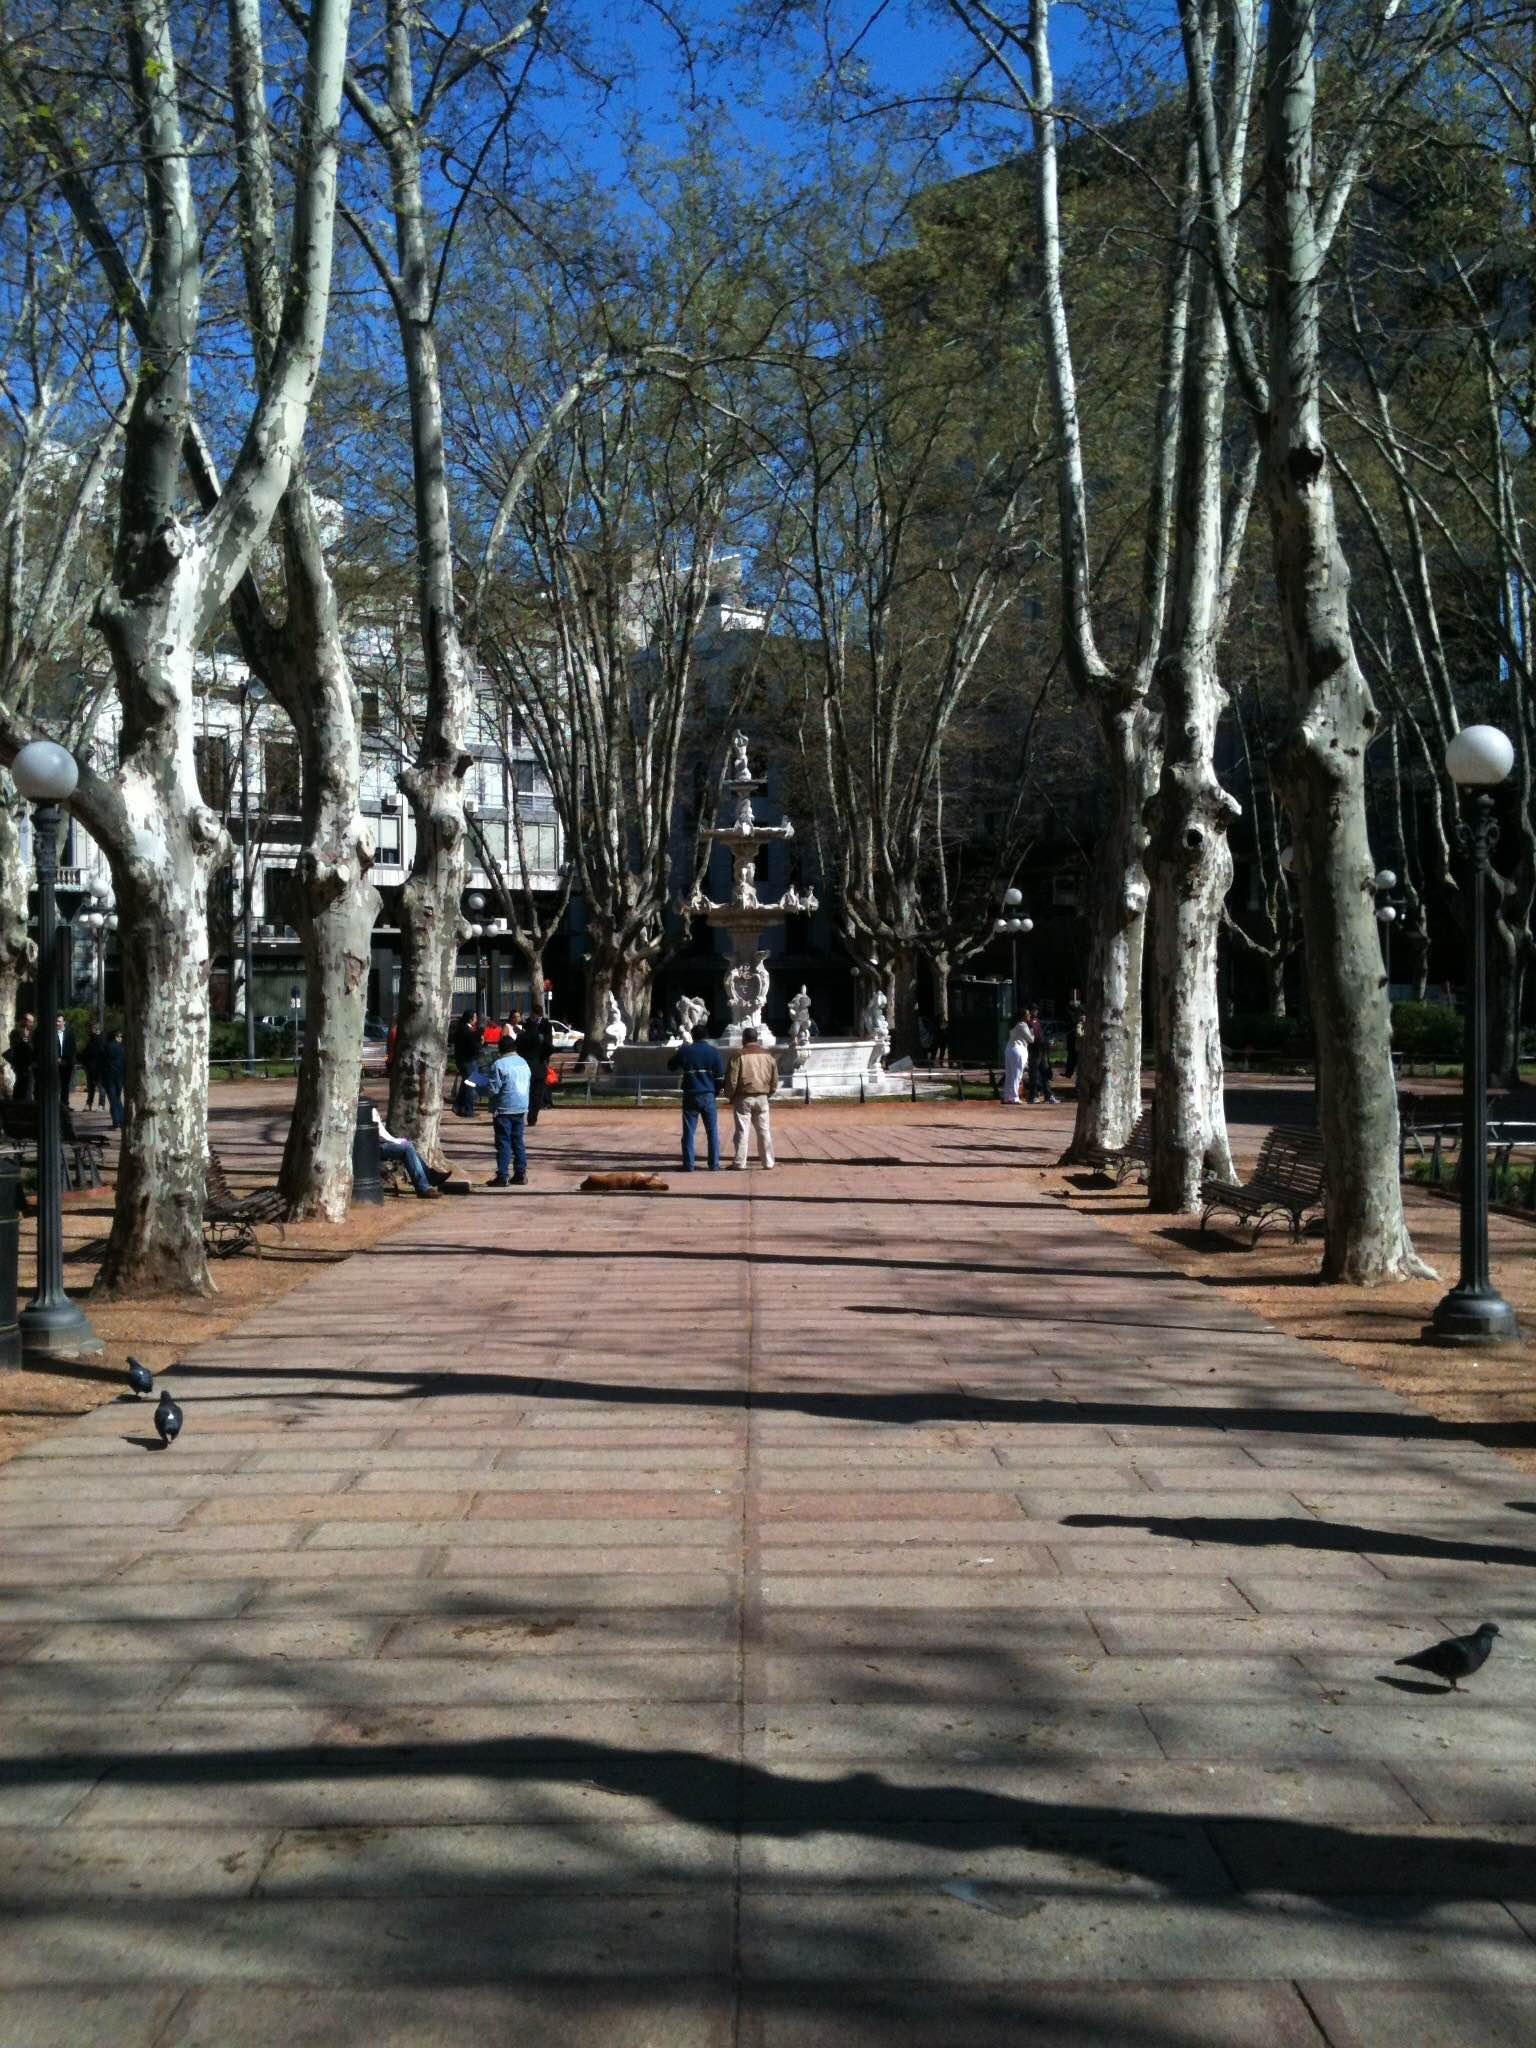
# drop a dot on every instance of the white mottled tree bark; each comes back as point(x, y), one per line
point(1191, 854)
point(1109, 1055)
point(171, 577)
point(1331, 715)
point(303, 661)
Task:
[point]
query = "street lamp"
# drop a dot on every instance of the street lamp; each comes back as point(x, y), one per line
point(1474, 1312)
point(1386, 916)
point(1015, 928)
point(252, 696)
point(51, 1325)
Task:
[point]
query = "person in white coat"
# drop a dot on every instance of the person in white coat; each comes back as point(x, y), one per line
point(1015, 1059)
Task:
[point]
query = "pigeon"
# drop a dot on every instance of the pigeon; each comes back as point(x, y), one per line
point(140, 1378)
point(1458, 1656)
point(168, 1422)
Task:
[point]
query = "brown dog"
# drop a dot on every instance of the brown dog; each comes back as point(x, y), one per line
point(623, 1184)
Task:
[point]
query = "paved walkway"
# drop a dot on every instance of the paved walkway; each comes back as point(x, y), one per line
point(841, 1606)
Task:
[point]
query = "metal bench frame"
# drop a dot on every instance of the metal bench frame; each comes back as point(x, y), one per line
point(1119, 1159)
point(229, 1220)
point(1287, 1180)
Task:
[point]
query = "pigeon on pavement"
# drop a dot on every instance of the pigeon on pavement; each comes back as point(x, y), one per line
point(1458, 1656)
point(168, 1421)
point(140, 1378)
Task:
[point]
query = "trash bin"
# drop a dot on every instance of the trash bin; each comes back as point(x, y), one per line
point(367, 1184)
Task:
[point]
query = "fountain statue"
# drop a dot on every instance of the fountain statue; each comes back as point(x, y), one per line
point(746, 916)
point(821, 1067)
point(615, 1030)
point(689, 1012)
point(802, 1025)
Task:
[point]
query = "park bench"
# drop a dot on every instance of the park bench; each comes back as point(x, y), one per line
point(1119, 1159)
point(80, 1158)
point(1287, 1180)
point(229, 1220)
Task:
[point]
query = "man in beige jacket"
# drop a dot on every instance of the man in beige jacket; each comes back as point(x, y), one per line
point(751, 1076)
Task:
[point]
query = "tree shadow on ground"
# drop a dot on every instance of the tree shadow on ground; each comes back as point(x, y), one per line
point(1301, 1532)
point(1217, 1858)
point(892, 1409)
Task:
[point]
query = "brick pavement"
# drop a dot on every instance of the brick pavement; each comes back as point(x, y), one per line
point(851, 1606)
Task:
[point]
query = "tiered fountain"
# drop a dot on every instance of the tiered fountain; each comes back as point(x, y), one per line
point(828, 1066)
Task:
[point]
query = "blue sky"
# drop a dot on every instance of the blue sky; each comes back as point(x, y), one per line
point(760, 80)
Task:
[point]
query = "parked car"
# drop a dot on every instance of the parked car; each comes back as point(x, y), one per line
point(567, 1038)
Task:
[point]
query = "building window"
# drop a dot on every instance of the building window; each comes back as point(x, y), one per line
point(525, 778)
point(387, 840)
point(214, 758)
point(280, 769)
point(370, 711)
point(280, 889)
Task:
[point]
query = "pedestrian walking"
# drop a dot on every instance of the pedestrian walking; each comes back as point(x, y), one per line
point(703, 1073)
point(466, 1051)
point(535, 1043)
point(1074, 1029)
point(1015, 1057)
point(21, 1057)
point(1039, 1059)
point(114, 1068)
point(509, 1097)
point(90, 1067)
point(751, 1077)
point(66, 1043)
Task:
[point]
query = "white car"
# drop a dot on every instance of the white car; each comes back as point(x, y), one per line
point(567, 1038)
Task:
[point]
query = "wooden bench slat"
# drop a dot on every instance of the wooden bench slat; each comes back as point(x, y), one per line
point(229, 1219)
point(1287, 1179)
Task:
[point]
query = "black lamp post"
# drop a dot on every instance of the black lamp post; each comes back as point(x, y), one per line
point(51, 1325)
point(1474, 1312)
point(1011, 925)
point(253, 695)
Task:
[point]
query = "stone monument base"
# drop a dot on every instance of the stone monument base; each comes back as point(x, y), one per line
point(831, 1068)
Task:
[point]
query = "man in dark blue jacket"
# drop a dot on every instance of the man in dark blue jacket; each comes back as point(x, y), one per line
point(703, 1073)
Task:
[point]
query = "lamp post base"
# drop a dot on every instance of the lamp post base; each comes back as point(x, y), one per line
point(56, 1329)
point(1471, 1316)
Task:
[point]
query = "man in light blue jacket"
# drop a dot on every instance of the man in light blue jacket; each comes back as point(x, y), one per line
point(510, 1079)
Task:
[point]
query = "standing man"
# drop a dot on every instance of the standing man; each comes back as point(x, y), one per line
point(703, 1073)
point(1074, 1027)
point(67, 1056)
point(510, 1097)
point(466, 1050)
point(21, 1055)
point(114, 1069)
point(750, 1079)
point(535, 1043)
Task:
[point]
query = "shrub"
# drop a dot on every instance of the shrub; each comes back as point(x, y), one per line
point(1426, 1031)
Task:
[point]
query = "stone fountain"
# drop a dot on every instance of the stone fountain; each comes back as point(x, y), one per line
point(745, 917)
point(829, 1066)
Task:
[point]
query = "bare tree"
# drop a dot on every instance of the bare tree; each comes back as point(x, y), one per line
point(171, 577)
point(398, 113)
point(1331, 717)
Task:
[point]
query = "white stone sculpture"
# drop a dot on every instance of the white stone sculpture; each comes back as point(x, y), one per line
point(615, 1030)
point(740, 772)
point(747, 989)
point(744, 895)
point(802, 1025)
point(689, 1012)
point(877, 1025)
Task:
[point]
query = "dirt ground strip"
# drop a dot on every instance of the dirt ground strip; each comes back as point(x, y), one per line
point(1376, 1330)
point(247, 1122)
